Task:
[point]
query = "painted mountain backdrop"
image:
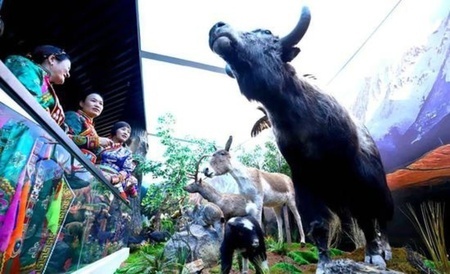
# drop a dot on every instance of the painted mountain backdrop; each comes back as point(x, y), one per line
point(399, 86)
point(404, 97)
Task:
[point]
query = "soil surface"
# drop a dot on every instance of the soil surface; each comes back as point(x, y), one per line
point(399, 262)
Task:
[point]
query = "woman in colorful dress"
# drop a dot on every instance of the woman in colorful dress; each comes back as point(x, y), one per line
point(117, 163)
point(46, 66)
point(38, 71)
point(81, 126)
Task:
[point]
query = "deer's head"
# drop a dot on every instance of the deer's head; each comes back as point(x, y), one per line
point(221, 159)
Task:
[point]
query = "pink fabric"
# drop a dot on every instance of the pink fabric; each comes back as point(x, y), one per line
point(44, 88)
point(10, 216)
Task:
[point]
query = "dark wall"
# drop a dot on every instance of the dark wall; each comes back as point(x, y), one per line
point(102, 39)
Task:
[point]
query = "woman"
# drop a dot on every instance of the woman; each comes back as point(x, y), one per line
point(117, 163)
point(81, 126)
point(38, 71)
point(45, 66)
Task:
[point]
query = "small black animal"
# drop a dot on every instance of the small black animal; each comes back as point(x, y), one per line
point(243, 234)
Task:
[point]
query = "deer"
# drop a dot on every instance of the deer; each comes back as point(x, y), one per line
point(265, 189)
point(335, 163)
point(232, 205)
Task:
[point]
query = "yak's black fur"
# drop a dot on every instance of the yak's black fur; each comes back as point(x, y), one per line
point(243, 234)
point(335, 163)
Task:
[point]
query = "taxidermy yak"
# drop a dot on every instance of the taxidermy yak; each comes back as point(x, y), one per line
point(335, 163)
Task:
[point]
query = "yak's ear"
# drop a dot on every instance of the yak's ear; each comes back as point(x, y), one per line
point(289, 54)
point(229, 71)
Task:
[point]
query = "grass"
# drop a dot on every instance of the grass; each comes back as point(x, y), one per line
point(430, 226)
point(277, 247)
point(151, 259)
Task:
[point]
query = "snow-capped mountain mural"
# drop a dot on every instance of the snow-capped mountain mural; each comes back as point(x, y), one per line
point(399, 86)
point(403, 97)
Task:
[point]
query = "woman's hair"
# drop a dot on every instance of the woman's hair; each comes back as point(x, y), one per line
point(84, 95)
point(118, 125)
point(40, 53)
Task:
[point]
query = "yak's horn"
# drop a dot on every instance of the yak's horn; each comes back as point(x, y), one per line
point(297, 33)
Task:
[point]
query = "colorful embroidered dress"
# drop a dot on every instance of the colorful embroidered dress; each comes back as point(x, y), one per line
point(83, 133)
point(37, 81)
point(117, 163)
point(31, 209)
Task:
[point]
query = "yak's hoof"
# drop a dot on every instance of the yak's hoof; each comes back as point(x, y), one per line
point(388, 255)
point(375, 260)
point(321, 265)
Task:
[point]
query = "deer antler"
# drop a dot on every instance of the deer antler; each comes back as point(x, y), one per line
point(197, 166)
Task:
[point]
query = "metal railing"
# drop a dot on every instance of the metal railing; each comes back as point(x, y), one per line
point(11, 85)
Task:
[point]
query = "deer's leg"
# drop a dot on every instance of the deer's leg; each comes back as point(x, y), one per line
point(278, 211)
point(259, 212)
point(293, 207)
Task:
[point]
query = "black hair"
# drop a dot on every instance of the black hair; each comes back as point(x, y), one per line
point(118, 125)
point(40, 53)
point(84, 95)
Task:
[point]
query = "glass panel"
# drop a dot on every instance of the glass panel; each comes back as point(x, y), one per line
point(55, 215)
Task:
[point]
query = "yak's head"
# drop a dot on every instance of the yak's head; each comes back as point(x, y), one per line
point(244, 51)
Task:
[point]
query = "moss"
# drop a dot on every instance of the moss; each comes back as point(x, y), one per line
point(336, 252)
point(281, 268)
point(215, 270)
point(303, 257)
point(298, 258)
point(400, 261)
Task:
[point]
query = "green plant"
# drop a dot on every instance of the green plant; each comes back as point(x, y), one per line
point(268, 158)
point(168, 224)
point(276, 246)
point(430, 226)
point(148, 263)
point(282, 267)
point(172, 174)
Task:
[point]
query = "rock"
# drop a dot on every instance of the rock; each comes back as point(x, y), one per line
point(195, 266)
point(200, 242)
point(349, 266)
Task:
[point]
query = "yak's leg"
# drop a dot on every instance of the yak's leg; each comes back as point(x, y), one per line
point(278, 211)
point(385, 246)
point(374, 245)
point(317, 217)
point(349, 241)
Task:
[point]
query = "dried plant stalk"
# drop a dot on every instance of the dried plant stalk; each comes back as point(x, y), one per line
point(430, 226)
